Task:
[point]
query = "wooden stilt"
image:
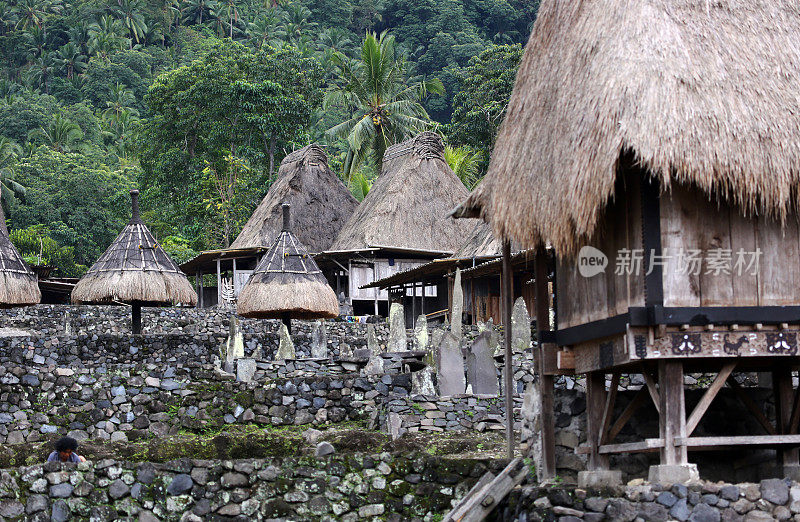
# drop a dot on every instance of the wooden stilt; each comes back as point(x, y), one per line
point(547, 433)
point(508, 373)
point(595, 405)
point(136, 318)
point(784, 401)
point(672, 417)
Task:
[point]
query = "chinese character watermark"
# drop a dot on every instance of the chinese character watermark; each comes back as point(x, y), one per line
point(715, 262)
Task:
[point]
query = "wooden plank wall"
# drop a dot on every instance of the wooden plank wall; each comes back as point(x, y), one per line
point(580, 299)
point(690, 220)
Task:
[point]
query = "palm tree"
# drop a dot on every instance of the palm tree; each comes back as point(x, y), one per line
point(105, 36)
point(121, 101)
point(8, 17)
point(34, 12)
point(9, 153)
point(232, 13)
point(465, 163)
point(386, 107)
point(61, 134)
point(40, 70)
point(36, 40)
point(129, 12)
point(197, 11)
point(262, 30)
point(70, 59)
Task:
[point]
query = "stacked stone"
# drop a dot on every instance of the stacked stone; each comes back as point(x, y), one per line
point(771, 499)
point(128, 403)
point(347, 489)
point(452, 413)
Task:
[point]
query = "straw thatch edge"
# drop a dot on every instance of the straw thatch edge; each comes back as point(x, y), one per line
point(286, 293)
point(18, 290)
point(128, 286)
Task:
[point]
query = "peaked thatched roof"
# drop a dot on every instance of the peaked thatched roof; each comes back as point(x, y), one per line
point(18, 285)
point(480, 243)
point(287, 281)
point(706, 93)
point(409, 203)
point(321, 201)
point(134, 269)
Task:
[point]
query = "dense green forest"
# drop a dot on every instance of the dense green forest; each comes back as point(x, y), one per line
point(196, 102)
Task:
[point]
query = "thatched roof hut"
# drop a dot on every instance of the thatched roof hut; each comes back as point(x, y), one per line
point(702, 93)
point(18, 285)
point(321, 201)
point(409, 203)
point(134, 269)
point(287, 283)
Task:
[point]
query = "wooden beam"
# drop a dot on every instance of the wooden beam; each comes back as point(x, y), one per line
point(633, 447)
point(795, 419)
point(486, 500)
point(740, 440)
point(708, 397)
point(752, 406)
point(608, 411)
point(636, 403)
point(784, 400)
point(653, 389)
point(485, 479)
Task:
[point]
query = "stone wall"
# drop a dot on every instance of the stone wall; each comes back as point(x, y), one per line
point(454, 413)
point(337, 487)
point(150, 400)
point(771, 499)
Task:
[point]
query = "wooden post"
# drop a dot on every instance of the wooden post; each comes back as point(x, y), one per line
point(784, 401)
point(136, 318)
point(233, 279)
point(413, 304)
point(422, 301)
point(219, 283)
point(375, 278)
point(509, 360)
point(547, 423)
point(672, 418)
point(595, 405)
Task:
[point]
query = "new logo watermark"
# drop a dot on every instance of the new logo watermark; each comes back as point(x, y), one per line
point(591, 261)
point(692, 262)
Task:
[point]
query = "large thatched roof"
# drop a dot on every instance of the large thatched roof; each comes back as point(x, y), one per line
point(409, 203)
point(18, 285)
point(134, 269)
point(287, 281)
point(321, 201)
point(699, 92)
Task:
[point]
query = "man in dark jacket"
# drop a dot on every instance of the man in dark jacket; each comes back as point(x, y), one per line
point(66, 448)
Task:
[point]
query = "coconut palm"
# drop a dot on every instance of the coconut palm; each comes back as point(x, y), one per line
point(9, 153)
point(262, 30)
point(40, 71)
point(105, 36)
point(8, 17)
point(120, 101)
point(70, 59)
point(198, 11)
point(129, 11)
point(465, 163)
point(61, 135)
point(231, 13)
point(35, 12)
point(386, 107)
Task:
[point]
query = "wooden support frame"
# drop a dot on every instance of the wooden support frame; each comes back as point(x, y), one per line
point(608, 410)
point(546, 382)
point(595, 407)
point(638, 401)
point(710, 394)
point(784, 402)
point(672, 416)
point(652, 389)
point(751, 406)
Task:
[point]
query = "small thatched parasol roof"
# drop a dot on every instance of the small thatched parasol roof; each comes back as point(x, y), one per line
point(321, 201)
point(18, 285)
point(287, 283)
point(409, 203)
point(702, 93)
point(134, 269)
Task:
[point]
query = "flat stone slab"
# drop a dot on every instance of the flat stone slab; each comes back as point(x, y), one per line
point(14, 332)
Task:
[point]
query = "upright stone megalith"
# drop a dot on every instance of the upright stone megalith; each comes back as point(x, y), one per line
point(481, 371)
point(397, 329)
point(285, 345)
point(458, 306)
point(450, 367)
point(520, 327)
point(421, 333)
point(319, 341)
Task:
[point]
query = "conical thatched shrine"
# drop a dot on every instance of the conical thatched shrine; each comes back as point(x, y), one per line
point(321, 201)
point(287, 284)
point(136, 270)
point(18, 285)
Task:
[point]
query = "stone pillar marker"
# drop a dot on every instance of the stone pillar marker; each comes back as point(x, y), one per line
point(481, 372)
point(421, 333)
point(397, 329)
point(458, 306)
point(375, 364)
point(245, 369)
point(67, 324)
point(422, 382)
point(234, 346)
point(450, 367)
point(319, 341)
point(286, 346)
point(520, 327)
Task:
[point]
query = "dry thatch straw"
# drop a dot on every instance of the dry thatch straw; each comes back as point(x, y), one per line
point(704, 93)
point(134, 269)
point(321, 201)
point(18, 285)
point(287, 283)
point(409, 203)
